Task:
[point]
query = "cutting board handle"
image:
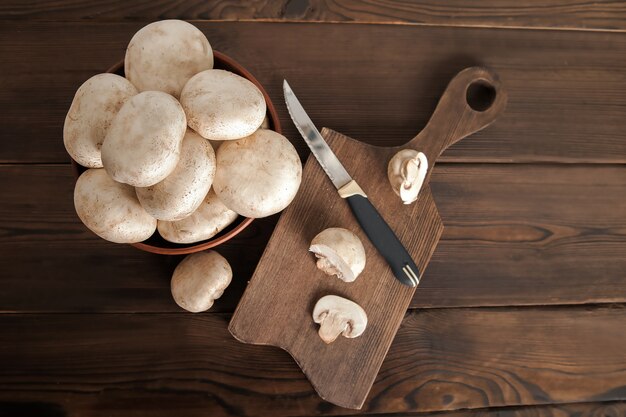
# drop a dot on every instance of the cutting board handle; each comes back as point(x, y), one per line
point(472, 101)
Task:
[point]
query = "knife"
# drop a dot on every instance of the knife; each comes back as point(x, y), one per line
point(372, 223)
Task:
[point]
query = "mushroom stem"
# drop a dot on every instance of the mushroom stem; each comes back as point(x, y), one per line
point(407, 172)
point(327, 267)
point(332, 326)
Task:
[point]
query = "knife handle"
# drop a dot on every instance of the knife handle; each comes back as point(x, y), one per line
point(384, 239)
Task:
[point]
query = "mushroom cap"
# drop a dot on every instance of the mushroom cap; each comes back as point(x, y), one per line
point(200, 279)
point(143, 143)
point(340, 252)
point(208, 220)
point(164, 55)
point(95, 104)
point(182, 192)
point(221, 105)
point(337, 315)
point(406, 172)
point(110, 209)
point(259, 175)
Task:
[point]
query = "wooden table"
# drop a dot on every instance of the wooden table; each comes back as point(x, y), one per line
point(521, 310)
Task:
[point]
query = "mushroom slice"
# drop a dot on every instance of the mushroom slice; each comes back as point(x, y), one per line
point(339, 252)
point(407, 171)
point(199, 280)
point(339, 316)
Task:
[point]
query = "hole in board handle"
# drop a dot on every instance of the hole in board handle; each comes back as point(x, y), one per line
point(480, 95)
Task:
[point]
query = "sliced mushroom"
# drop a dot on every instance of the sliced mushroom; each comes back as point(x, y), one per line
point(339, 316)
point(259, 175)
point(95, 104)
point(182, 192)
point(407, 171)
point(110, 209)
point(339, 252)
point(164, 55)
point(208, 220)
point(142, 146)
point(221, 105)
point(199, 280)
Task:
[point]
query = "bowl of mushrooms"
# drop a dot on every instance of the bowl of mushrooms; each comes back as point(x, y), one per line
point(177, 148)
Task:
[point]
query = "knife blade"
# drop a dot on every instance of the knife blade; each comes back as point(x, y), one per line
point(375, 227)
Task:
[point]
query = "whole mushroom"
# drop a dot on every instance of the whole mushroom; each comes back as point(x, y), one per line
point(259, 175)
point(221, 105)
point(406, 171)
point(164, 55)
point(182, 192)
point(142, 146)
point(339, 316)
point(95, 104)
point(208, 220)
point(199, 280)
point(339, 252)
point(110, 209)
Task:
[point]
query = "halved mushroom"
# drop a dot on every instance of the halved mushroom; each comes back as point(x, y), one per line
point(95, 104)
point(182, 192)
point(199, 280)
point(142, 146)
point(221, 105)
point(407, 171)
point(339, 316)
point(164, 55)
point(208, 220)
point(111, 209)
point(339, 252)
point(259, 175)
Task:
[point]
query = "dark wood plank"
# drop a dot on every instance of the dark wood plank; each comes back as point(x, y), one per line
point(604, 14)
point(514, 234)
point(566, 89)
point(441, 360)
point(605, 409)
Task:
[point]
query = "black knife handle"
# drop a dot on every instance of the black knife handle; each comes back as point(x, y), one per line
point(385, 240)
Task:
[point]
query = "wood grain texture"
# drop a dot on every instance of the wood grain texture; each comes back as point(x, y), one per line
point(604, 409)
point(604, 14)
point(188, 364)
point(514, 235)
point(286, 284)
point(567, 89)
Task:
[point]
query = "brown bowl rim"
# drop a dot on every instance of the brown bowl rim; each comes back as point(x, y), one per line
point(237, 68)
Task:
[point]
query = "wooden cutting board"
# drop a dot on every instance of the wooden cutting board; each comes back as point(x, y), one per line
point(277, 305)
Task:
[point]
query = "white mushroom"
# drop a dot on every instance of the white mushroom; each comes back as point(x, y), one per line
point(339, 252)
point(406, 171)
point(142, 146)
point(265, 124)
point(182, 192)
point(199, 280)
point(164, 55)
point(95, 104)
point(339, 316)
point(221, 105)
point(259, 175)
point(110, 209)
point(208, 220)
